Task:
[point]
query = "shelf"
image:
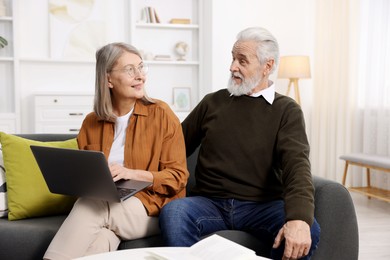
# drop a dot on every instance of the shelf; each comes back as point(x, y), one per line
point(373, 192)
point(171, 62)
point(6, 18)
point(6, 59)
point(49, 60)
point(167, 26)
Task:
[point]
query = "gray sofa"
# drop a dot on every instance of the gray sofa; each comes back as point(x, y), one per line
point(29, 238)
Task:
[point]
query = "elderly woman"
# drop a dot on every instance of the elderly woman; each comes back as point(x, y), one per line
point(142, 139)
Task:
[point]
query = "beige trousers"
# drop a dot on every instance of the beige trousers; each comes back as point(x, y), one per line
point(97, 226)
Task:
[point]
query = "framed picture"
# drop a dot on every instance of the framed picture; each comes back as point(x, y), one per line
point(76, 28)
point(182, 99)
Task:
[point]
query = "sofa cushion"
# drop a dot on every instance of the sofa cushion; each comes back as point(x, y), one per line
point(3, 188)
point(29, 238)
point(28, 195)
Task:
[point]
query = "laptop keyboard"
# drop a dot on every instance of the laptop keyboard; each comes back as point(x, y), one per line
point(124, 191)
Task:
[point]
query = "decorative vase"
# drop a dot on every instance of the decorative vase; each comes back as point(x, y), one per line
point(181, 49)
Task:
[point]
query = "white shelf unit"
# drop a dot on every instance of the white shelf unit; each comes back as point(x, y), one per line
point(160, 39)
point(27, 69)
point(9, 102)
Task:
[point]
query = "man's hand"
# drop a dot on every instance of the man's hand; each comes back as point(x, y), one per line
point(298, 239)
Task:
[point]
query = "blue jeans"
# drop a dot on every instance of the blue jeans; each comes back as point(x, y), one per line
point(184, 221)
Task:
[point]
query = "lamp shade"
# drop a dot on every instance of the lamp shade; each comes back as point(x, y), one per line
point(294, 67)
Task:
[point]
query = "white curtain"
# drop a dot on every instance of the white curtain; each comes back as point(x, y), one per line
point(334, 72)
point(351, 108)
point(372, 111)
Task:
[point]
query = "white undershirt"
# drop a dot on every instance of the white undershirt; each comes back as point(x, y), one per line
point(118, 146)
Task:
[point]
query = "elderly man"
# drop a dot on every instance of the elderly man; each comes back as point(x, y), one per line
point(253, 170)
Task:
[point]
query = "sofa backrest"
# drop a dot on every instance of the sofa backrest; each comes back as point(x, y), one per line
point(48, 137)
point(191, 165)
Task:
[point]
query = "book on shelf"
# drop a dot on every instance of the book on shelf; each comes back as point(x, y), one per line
point(180, 21)
point(210, 248)
point(156, 17)
point(162, 57)
point(149, 15)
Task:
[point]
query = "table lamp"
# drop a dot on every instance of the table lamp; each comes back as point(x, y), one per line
point(294, 68)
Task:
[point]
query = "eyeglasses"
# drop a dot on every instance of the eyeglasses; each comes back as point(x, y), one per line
point(133, 70)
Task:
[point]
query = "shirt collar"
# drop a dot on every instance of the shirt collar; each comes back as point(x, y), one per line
point(267, 93)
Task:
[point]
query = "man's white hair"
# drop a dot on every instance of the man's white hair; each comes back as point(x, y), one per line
point(267, 45)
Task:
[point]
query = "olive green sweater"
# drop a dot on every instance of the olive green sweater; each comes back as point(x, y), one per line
point(252, 150)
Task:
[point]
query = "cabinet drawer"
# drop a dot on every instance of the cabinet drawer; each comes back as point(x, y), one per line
point(57, 114)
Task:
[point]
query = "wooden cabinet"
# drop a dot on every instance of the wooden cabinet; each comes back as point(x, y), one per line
point(61, 113)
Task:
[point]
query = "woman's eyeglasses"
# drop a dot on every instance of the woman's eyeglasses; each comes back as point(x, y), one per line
point(133, 70)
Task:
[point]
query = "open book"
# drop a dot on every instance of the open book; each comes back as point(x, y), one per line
point(211, 248)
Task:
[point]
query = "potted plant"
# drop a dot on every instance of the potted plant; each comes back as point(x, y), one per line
point(3, 42)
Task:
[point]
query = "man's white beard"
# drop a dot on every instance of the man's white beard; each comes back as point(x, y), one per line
point(245, 87)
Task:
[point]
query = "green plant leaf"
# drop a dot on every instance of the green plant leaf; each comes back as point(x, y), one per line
point(3, 42)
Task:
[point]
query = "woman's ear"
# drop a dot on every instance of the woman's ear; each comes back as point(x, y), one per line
point(109, 81)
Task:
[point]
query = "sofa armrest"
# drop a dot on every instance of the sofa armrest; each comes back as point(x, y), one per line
point(335, 212)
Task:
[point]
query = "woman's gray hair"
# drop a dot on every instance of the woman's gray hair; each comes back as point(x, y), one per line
point(106, 58)
point(267, 45)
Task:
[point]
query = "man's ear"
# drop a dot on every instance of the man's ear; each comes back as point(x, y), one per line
point(269, 65)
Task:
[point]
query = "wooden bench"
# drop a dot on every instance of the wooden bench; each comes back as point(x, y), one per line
point(368, 161)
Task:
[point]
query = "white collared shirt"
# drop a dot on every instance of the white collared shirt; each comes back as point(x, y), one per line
point(267, 93)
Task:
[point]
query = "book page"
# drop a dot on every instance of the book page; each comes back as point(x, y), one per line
point(213, 247)
point(171, 253)
point(217, 247)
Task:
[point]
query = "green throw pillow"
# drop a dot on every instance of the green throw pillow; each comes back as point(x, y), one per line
point(28, 194)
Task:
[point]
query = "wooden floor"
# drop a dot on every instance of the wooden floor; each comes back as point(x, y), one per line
point(374, 227)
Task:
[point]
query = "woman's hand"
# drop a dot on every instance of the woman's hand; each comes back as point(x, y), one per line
point(119, 172)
